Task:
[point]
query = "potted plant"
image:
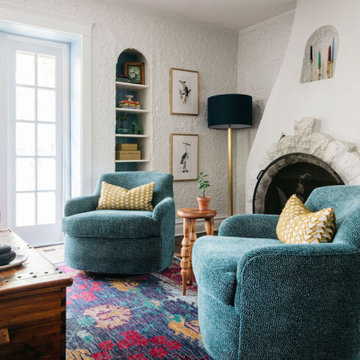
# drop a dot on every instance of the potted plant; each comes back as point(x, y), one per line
point(203, 185)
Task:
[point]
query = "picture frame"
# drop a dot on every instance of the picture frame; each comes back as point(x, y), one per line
point(184, 92)
point(184, 156)
point(135, 72)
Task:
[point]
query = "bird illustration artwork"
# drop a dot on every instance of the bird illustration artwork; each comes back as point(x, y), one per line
point(184, 92)
point(185, 158)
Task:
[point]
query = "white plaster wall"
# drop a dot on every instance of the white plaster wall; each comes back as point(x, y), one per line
point(335, 101)
point(261, 50)
point(165, 42)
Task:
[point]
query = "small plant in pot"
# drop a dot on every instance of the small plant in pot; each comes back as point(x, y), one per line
point(203, 200)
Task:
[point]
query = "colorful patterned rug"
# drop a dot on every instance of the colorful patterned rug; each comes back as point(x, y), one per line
point(138, 317)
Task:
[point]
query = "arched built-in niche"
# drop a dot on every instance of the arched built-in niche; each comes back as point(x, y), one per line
point(320, 40)
point(125, 117)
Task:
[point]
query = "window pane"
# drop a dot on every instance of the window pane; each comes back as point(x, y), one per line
point(25, 68)
point(46, 105)
point(46, 208)
point(46, 140)
point(25, 174)
point(46, 177)
point(25, 139)
point(25, 103)
point(25, 209)
point(46, 70)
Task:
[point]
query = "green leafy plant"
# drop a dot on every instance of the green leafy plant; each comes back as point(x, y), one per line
point(203, 183)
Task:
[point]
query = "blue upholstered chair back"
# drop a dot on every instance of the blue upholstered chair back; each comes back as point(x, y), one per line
point(128, 180)
point(345, 199)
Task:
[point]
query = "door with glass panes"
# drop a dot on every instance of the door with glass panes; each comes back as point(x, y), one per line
point(37, 123)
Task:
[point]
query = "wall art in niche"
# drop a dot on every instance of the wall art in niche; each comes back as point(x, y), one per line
point(135, 72)
point(184, 156)
point(184, 92)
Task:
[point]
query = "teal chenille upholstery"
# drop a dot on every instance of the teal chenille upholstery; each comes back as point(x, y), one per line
point(121, 241)
point(260, 299)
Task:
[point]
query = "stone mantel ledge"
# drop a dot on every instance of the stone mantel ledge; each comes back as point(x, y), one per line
point(342, 156)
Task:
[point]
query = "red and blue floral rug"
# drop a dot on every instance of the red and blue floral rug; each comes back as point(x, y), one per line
point(139, 317)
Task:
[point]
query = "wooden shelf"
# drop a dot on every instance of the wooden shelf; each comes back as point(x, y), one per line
point(131, 136)
point(131, 86)
point(131, 161)
point(135, 111)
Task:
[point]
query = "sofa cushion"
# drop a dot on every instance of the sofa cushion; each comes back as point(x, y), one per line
point(122, 224)
point(215, 260)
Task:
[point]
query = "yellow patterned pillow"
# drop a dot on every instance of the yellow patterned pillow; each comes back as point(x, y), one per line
point(118, 198)
point(298, 225)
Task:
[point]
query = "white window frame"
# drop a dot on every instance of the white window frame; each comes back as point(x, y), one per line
point(24, 21)
point(40, 234)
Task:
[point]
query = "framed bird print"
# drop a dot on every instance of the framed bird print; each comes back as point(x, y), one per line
point(184, 157)
point(184, 92)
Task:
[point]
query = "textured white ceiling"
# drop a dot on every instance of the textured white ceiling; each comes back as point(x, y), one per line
point(230, 14)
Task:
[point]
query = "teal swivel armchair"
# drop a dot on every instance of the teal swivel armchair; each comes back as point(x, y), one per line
point(121, 241)
point(260, 299)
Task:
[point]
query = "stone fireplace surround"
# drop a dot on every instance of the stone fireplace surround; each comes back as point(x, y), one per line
point(342, 156)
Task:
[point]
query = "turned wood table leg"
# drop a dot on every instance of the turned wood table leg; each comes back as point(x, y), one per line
point(209, 226)
point(185, 255)
point(192, 241)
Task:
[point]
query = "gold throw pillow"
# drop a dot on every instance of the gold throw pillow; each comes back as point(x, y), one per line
point(298, 225)
point(118, 198)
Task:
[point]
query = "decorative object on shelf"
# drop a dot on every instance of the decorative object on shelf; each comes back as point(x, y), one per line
point(328, 62)
point(319, 65)
point(332, 57)
point(127, 152)
point(184, 156)
point(203, 184)
point(135, 71)
point(311, 63)
point(184, 92)
point(129, 103)
point(122, 123)
point(137, 129)
point(127, 147)
point(230, 111)
point(122, 78)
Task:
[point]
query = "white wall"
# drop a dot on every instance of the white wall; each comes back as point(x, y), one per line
point(261, 50)
point(165, 42)
point(335, 101)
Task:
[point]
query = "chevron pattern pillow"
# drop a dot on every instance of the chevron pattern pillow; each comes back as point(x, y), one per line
point(118, 198)
point(298, 225)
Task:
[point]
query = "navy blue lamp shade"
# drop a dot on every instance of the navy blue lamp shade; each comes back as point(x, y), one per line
point(230, 109)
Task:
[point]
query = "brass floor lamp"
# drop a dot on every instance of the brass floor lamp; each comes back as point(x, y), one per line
point(227, 112)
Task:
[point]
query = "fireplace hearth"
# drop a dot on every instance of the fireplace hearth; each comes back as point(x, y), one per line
point(299, 163)
point(295, 173)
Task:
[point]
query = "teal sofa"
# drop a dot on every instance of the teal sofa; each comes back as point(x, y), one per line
point(121, 241)
point(260, 299)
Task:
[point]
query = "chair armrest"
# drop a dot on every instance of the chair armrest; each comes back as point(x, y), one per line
point(250, 226)
point(81, 204)
point(308, 290)
point(164, 213)
point(165, 206)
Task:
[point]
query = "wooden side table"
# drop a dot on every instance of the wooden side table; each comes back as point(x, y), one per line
point(190, 215)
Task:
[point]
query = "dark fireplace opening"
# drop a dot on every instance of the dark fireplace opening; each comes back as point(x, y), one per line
point(295, 173)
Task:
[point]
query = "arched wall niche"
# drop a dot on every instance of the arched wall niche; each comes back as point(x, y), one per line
point(320, 40)
point(141, 93)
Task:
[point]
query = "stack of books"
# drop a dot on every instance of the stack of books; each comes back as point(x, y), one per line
point(127, 152)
